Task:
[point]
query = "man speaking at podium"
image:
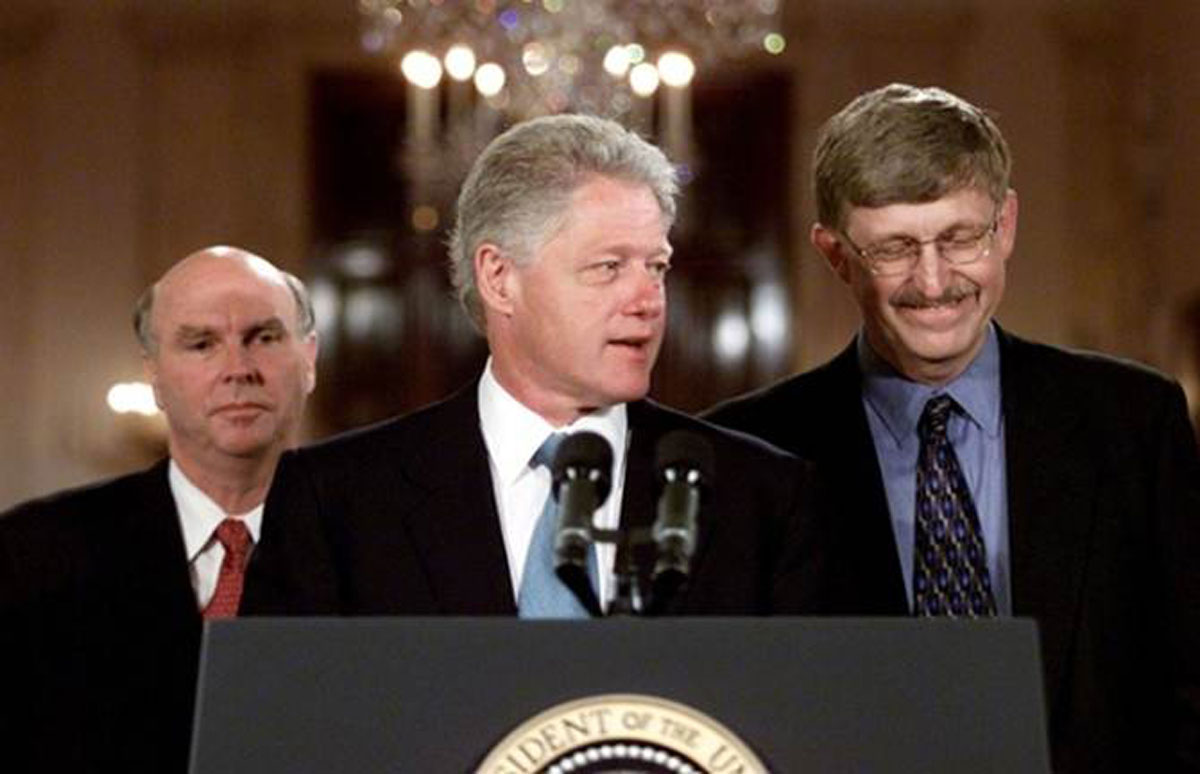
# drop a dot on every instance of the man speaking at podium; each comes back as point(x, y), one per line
point(560, 256)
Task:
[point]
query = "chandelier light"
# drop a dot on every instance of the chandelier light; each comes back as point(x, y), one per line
point(475, 66)
point(584, 55)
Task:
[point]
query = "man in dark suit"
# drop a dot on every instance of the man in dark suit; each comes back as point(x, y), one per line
point(559, 254)
point(976, 473)
point(103, 588)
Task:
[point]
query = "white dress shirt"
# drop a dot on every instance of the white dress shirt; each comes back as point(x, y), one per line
point(199, 517)
point(513, 433)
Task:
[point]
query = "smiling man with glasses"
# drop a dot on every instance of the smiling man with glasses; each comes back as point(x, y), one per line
point(975, 473)
point(927, 276)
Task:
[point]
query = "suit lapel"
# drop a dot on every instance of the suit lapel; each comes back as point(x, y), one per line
point(639, 507)
point(637, 499)
point(1051, 501)
point(152, 542)
point(456, 529)
point(637, 495)
point(863, 528)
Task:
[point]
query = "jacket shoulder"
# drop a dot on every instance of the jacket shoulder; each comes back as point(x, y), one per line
point(1083, 375)
point(432, 425)
point(726, 442)
point(48, 541)
point(803, 400)
point(85, 501)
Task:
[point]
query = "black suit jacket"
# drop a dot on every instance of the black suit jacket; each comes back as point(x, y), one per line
point(400, 519)
point(1103, 508)
point(102, 630)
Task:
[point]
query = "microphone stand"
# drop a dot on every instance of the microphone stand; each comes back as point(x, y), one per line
point(630, 597)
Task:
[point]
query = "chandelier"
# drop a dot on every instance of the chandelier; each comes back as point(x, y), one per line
point(532, 57)
point(475, 65)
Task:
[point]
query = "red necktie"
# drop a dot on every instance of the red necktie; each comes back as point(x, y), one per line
point(235, 538)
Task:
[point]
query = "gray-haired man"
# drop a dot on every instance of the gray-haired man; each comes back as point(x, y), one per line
point(560, 255)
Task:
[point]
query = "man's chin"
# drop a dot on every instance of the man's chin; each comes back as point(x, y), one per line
point(246, 446)
point(626, 391)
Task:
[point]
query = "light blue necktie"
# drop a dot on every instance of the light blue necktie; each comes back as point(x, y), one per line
point(542, 594)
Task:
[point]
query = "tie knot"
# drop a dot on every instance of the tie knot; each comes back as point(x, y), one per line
point(545, 453)
point(233, 537)
point(934, 417)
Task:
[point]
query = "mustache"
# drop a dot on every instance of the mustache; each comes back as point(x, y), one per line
point(910, 297)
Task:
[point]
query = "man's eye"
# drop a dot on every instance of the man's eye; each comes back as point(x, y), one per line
point(893, 250)
point(659, 269)
point(604, 270)
point(199, 345)
point(961, 239)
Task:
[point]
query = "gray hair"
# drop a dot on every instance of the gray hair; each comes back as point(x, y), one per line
point(517, 192)
point(306, 318)
point(906, 144)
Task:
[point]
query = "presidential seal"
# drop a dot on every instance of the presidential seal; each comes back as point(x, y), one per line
point(621, 734)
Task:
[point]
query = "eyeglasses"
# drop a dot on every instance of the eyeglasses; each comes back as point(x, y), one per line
point(900, 255)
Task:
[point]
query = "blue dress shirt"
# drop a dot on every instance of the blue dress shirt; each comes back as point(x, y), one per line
point(894, 405)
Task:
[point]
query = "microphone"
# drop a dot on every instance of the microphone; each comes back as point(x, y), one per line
point(684, 465)
point(582, 479)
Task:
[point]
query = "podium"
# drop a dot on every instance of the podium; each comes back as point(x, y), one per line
point(436, 695)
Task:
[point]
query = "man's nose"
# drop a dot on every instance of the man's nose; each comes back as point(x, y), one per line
point(931, 274)
point(241, 366)
point(649, 296)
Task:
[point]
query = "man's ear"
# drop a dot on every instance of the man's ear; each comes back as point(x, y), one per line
point(1007, 236)
point(828, 245)
point(150, 372)
point(494, 279)
point(310, 347)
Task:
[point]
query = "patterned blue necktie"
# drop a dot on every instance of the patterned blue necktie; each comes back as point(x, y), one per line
point(950, 572)
point(542, 594)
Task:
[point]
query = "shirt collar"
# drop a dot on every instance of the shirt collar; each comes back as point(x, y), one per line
point(898, 401)
point(199, 515)
point(513, 432)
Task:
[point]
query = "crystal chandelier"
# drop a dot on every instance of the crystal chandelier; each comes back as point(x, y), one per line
point(473, 66)
point(532, 57)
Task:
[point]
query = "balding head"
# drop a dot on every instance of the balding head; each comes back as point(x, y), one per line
point(218, 258)
point(230, 352)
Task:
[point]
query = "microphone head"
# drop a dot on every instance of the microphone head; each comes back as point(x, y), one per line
point(686, 452)
point(584, 454)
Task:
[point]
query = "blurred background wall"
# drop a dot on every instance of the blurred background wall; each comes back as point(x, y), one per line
point(134, 132)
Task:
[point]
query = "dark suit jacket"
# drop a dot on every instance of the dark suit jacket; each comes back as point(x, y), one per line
point(1103, 508)
point(102, 628)
point(403, 520)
